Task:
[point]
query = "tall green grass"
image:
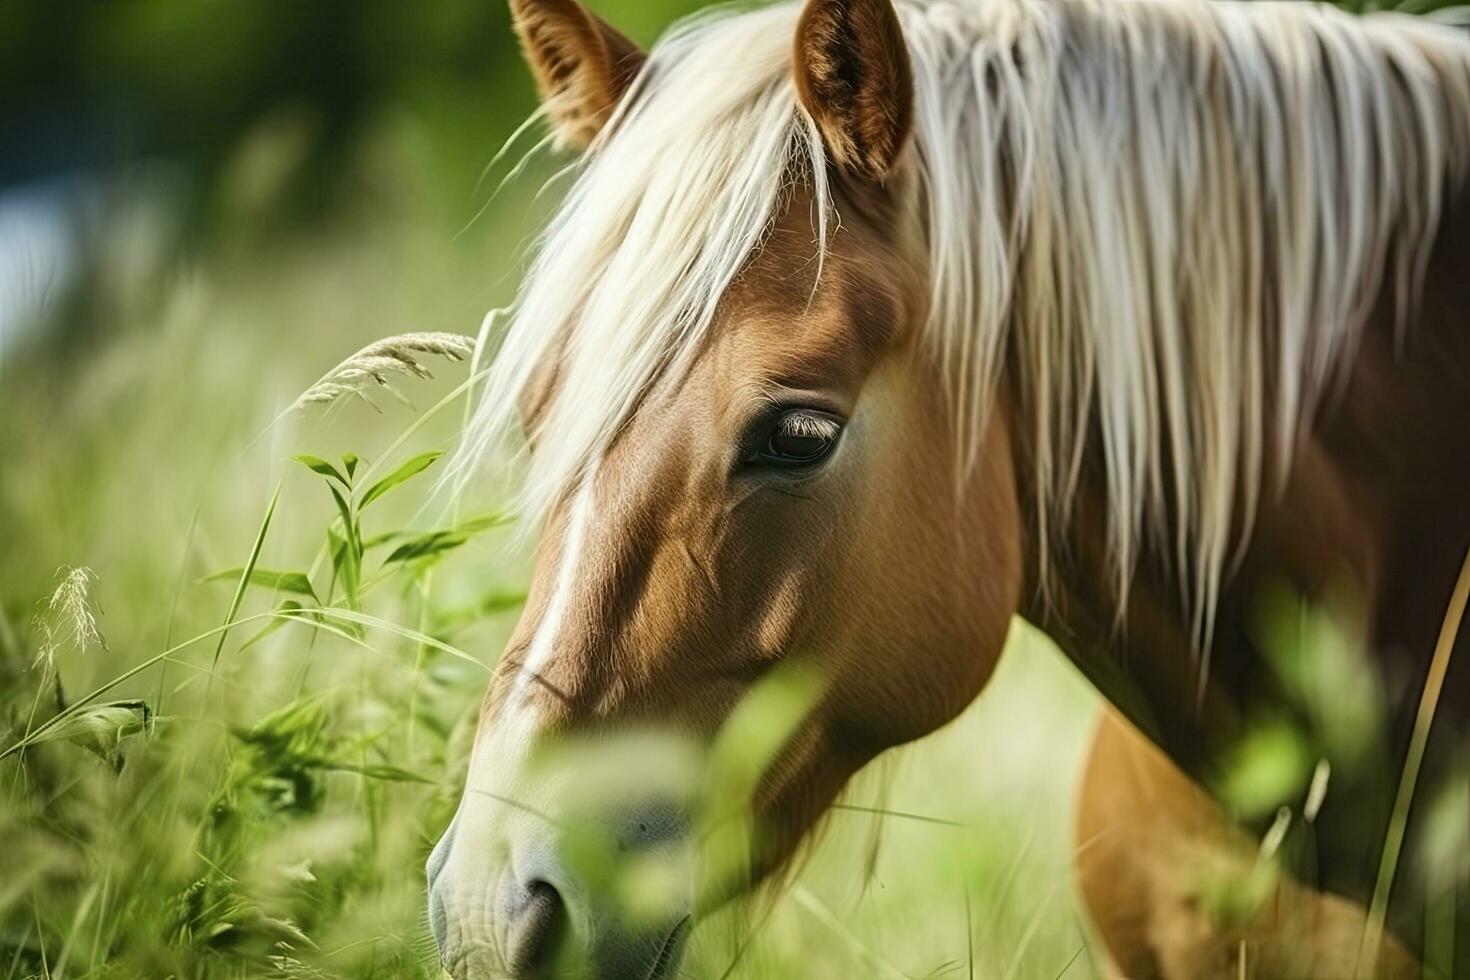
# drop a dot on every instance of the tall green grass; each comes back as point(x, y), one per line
point(246, 777)
point(238, 681)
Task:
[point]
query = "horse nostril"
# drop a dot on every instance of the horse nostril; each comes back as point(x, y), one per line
point(537, 928)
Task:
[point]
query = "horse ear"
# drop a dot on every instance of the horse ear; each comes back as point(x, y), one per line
point(853, 77)
point(583, 66)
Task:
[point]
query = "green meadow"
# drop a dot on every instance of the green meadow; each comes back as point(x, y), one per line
point(244, 634)
point(194, 801)
point(186, 800)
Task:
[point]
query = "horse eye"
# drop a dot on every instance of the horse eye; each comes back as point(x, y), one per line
point(800, 438)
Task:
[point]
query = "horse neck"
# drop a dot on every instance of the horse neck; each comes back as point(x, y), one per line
point(1368, 520)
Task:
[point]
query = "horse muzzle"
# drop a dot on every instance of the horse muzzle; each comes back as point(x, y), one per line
point(578, 876)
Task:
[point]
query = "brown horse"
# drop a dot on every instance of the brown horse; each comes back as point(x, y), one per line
point(867, 327)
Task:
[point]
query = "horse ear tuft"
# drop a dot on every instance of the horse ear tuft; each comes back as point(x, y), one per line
point(583, 66)
point(853, 77)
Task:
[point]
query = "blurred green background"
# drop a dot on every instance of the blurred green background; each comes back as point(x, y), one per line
point(204, 205)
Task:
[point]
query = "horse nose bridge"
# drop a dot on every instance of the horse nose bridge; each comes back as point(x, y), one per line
point(590, 592)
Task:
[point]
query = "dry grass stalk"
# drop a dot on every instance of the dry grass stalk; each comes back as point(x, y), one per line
point(68, 617)
point(379, 363)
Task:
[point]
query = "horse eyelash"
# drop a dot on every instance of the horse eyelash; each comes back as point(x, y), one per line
point(808, 425)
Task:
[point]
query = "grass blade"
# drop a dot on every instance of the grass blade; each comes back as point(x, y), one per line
point(403, 474)
point(362, 619)
point(245, 574)
point(318, 465)
point(819, 910)
point(79, 705)
point(1393, 843)
point(267, 578)
point(898, 814)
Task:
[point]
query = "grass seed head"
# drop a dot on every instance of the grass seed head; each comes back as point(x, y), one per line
point(378, 364)
point(68, 617)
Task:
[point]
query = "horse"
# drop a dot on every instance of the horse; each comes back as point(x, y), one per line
point(867, 326)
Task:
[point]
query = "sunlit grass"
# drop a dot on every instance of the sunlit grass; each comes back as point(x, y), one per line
point(246, 779)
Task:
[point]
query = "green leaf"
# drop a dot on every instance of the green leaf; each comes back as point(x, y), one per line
point(347, 563)
point(485, 522)
point(392, 774)
point(266, 578)
point(403, 474)
point(245, 573)
point(469, 528)
point(425, 545)
point(432, 543)
point(101, 727)
point(318, 465)
point(387, 537)
point(349, 463)
point(295, 728)
point(348, 524)
point(351, 532)
point(289, 606)
point(501, 600)
point(337, 547)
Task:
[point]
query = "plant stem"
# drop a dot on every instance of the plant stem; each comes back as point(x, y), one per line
point(1428, 701)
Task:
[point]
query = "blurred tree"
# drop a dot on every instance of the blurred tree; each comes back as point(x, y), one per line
point(95, 84)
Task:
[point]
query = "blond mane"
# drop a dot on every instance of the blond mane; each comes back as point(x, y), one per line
point(1172, 217)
